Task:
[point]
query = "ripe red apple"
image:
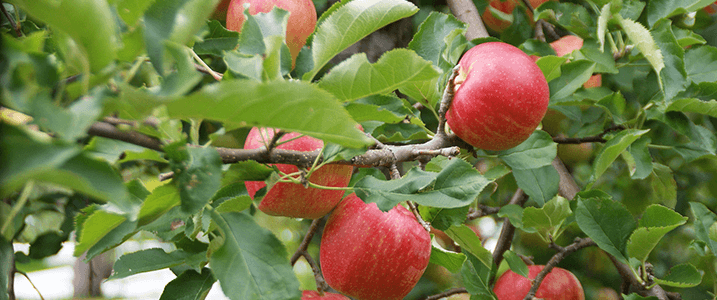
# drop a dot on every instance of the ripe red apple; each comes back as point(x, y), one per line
point(302, 19)
point(500, 97)
point(507, 7)
point(711, 9)
point(560, 284)
point(291, 199)
point(314, 295)
point(373, 255)
point(567, 45)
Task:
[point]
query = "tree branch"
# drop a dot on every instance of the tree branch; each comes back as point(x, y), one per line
point(631, 283)
point(306, 241)
point(447, 293)
point(109, 131)
point(466, 11)
point(508, 231)
point(321, 284)
point(482, 211)
point(567, 187)
point(562, 253)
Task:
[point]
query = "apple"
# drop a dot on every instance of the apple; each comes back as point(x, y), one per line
point(302, 19)
point(507, 7)
point(315, 295)
point(574, 153)
point(711, 9)
point(500, 97)
point(373, 255)
point(292, 199)
point(559, 284)
point(567, 45)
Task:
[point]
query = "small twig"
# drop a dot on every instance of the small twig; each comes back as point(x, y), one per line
point(151, 121)
point(629, 280)
point(204, 68)
point(590, 139)
point(306, 241)
point(579, 243)
point(166, 176)
point(31, 283)
point(19, 205)
point(414, 210)
point(506, 234)
point(539, 33)
point(447, 293)
point(395, 174)
point(446, 101)
point(567, 187)
point(482, 211)
point(528, 5)
point(275, 139)
point(15, 25)
point(109, 131)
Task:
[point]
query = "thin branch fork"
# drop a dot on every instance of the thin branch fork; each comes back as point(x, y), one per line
point(447, 293)
point(579, 243)
point(321, 284)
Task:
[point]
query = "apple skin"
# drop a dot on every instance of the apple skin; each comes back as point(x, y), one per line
point(507, 7)
point(373, 255)
point(567, 45)
point(572, 154)
point(502, 99)
point(291, 199)
point(302, 19)
point(559, 284)
point(314, 295)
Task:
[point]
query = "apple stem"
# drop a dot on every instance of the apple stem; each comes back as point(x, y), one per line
point(446, 102)
point(579, 243)
point(414, 209)
point(203, 67)
point(321, 284)
point(447, 293)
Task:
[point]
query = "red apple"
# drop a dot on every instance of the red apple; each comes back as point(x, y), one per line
point(500, 97)
point(560, 284)
point(711, 9)
point(315, 295)
point(302, 19)
point(373, 255)
point(567, 45)
point(291, 199)
point(507, 7)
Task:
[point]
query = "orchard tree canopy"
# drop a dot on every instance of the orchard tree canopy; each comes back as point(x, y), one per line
point(122, 118)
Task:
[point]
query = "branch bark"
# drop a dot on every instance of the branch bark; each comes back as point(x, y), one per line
point(506, 234)
point(562, 253)
point(466, 11)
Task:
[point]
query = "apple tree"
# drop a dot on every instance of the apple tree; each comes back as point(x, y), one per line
point(123, 118)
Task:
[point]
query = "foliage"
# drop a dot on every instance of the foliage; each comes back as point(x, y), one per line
point(190, 89)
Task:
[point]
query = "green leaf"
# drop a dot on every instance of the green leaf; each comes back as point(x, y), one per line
point(642, 159)
point(448, 259)
point(605, 16)
point(470, 242)
point(655, 223)
point(244, 65)
point(516, 263)
point(131, 10)
point(6, 265)
point(217, 41)
point(686, 37)
point(573, 17)
point(573, 76)
point(356, 78)
point(540, 184)
point(713, 232)
point(674, 76)
point(185, 78)
point(111, 150)
point(158, 203)
point(95, 226)
point(257, 28)
point(664, 186)
point(429, 41)
point(514, 213)
point(660, 9)
point(151, 260)
point(398, 132)
point(476, 278)
point(247, 171)
point(548, 219)
point(457, 185)
point(289, 105)
point(693, 105)
point(71, 123)
point(682, 276)
point(639, 35)
point(190, 285)
point(94, 36)
point(701, 64)
point(351, 22)
point(704, 219)
point(249, 261)
point(607, 222)
point(387, 109)
point(550, 65)
point(538, 150)
point(197, 175)
point(612, 150)
point(443, 218)
point(172, 20)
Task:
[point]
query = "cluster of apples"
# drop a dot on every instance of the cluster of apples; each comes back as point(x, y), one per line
point(500, 97)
